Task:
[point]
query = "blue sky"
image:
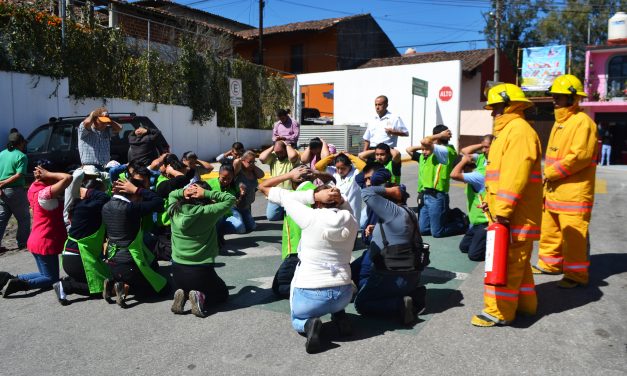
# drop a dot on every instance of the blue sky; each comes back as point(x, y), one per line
point(417, 23)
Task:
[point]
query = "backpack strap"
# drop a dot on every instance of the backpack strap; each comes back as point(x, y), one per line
point(385, 241)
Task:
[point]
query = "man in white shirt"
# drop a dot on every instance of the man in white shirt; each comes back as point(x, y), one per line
point(385, 127)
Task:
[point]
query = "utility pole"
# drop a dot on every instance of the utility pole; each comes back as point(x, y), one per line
point(62, 10)
point(260, 59)
point(497, 42)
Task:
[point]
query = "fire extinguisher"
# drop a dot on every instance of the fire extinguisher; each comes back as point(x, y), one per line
point(497, 246)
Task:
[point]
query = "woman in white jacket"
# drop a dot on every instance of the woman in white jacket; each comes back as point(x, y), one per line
point(322, 281)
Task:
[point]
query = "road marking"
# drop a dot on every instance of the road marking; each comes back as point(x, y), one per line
point(265, 282)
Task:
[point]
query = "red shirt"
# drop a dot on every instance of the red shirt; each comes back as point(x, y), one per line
point(48, 232)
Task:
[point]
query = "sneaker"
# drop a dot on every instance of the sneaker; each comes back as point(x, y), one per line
point(108, 290)
point(4, 278)
point(121, 290)
point(407, 311)
point(197, 299)
point(344, 327)
point(566, 283)
point(14, 285)
point(312, 330)
point(58, 290)
point(178, 305)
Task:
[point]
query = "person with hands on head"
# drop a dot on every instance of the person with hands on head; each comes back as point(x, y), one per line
point(133, 266)
point(434, 165)
point(386, 156)
point(282, 158)
point(94, 138)
point(145, 144)
point(190, 159)
point(322, 281)
point(48, 233)
point(82, 253)
point(514, 198)
point(195, 211)
point(286, 129)
point(344, 169)
point(231, 222)
point(236, 151)
point(301, 179)
point(247, 175)
point(318, 149)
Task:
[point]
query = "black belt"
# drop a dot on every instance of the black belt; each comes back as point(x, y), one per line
point(431, 191)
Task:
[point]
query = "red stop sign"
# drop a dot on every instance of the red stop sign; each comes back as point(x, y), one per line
point(446, 93)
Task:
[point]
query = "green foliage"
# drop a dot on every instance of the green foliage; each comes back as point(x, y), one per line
point(528, 23)
point(100, 62)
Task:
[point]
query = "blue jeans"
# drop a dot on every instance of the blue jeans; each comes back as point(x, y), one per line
point(606, 152)
point(433, 217)
point(13, 201)
point(247, 218)
point(233, 224)
point(48, 272)
point(310, 303)
point(274, 212)
point(383, 292)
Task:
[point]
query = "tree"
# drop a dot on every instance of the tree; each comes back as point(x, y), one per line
point(517, 24)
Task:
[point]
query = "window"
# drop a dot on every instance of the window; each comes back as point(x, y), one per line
point(127, 129)
point(617, 76)
point(297, 63)
point(37, 141)
point(61, 138)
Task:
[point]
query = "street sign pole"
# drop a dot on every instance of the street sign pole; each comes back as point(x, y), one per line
point(235, 92)
point(411, 141)
point(236, 133)
point(420, 88)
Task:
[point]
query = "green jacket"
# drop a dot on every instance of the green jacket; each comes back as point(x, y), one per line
point(194, 238)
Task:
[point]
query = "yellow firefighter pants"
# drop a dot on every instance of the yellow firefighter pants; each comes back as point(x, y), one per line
point(564, 245)
point(519, 295)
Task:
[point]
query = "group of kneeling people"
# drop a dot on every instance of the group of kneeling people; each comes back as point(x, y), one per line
point(316, 272)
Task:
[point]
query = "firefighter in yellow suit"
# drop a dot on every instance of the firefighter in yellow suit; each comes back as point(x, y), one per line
point(569, 174)
point(514, 197)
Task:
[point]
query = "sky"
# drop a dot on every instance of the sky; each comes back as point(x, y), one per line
point(425, 25)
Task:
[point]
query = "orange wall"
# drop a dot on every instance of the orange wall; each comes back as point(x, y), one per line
point(313, 98)
point(319, 49)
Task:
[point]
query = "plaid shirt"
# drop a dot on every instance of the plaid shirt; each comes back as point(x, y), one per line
point(94, 146)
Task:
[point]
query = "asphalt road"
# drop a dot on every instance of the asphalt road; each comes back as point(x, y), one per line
point(576, 332)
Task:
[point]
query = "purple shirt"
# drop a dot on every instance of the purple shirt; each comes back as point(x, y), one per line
point(289, 131)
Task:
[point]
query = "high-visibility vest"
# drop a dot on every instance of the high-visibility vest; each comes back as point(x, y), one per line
point(291, 231)
point(434, 175)
point(476, 216)
point(396, 179)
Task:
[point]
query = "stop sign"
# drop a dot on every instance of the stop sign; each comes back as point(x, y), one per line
point(446, 93)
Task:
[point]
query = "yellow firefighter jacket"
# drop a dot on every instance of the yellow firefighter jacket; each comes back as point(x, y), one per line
point(570, 163)
point(513, 176)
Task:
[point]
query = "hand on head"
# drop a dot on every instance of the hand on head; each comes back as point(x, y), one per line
point(194, 191)
point(300, 174)
point(329, 196)
point(124, 187)
point(40, 173)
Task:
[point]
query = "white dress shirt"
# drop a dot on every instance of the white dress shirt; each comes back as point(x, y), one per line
point(376, 134)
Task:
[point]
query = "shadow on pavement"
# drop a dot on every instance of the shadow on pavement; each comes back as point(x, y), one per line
point(552, 299)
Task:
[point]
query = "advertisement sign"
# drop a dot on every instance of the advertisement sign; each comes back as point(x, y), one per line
point(541, 65)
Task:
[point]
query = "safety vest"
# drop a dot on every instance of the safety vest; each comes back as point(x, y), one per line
point(214, 183)
point(163, 218)
point(291, 231)
point(396, 179)
point(143, 258)
point(476, 216)
point(90, 248)
point(434, 175)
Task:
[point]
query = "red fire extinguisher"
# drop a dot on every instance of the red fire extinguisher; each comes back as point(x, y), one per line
point(497, 246)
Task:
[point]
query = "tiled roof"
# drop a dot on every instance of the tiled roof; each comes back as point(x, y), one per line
point(299, 26)
point(470, 59)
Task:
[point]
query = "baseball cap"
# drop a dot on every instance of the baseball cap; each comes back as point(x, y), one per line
point(15, 137)
point(104, 117)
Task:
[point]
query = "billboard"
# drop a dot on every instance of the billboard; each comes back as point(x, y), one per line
point(540, 66)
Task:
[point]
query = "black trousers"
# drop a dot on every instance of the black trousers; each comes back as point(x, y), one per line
point(473, 242)
point(284, 275)
point(76, 283)
point(124, 269)
point(201, 278)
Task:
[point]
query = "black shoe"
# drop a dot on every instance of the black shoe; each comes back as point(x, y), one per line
point(4, 249)
point(4, 278)
point(58, 290)
point(343, 323)
point(419, 296)
point(108, 290)
point(178, 304)
point(408, 316)
point(15, 285)
point(121, 290)
point(312, 329)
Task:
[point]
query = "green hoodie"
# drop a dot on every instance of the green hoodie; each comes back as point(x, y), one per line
point(194, 239)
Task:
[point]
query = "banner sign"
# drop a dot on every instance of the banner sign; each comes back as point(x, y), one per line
point(541, 65)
